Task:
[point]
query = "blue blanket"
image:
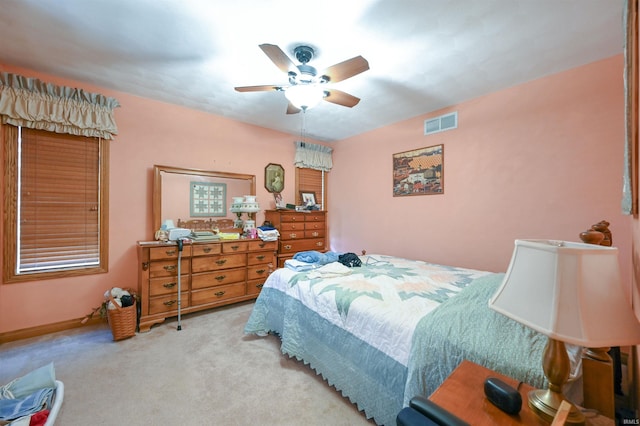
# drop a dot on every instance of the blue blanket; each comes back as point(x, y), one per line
point(316, 257)
point(465, 327)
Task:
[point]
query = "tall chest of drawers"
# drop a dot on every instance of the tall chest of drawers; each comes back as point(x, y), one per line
point(211, 274)
point(299, 231)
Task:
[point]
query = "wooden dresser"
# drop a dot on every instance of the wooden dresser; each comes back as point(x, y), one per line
point(212, 274)
point(299, 231)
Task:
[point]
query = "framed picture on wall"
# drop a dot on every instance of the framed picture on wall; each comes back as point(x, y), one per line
point(274, 177)
point(419, 172)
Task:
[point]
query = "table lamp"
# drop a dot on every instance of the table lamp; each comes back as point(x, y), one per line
point(570, 292)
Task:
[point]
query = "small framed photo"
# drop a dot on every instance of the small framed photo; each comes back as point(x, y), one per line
point(280, 204)
point(308, 198)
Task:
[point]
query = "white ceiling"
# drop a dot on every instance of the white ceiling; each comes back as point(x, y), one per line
point(423, 54)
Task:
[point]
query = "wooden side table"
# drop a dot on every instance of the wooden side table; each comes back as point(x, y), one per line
point(463, 395)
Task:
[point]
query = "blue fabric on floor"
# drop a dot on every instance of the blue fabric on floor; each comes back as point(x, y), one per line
point(43, 377)
point(11, 409)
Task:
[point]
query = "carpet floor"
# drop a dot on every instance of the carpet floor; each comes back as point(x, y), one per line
point(208, 373)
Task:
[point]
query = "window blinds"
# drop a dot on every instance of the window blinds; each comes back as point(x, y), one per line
point(58, 212)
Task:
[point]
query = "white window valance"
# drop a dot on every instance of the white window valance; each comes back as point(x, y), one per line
point(32, 103)
point(313, 156)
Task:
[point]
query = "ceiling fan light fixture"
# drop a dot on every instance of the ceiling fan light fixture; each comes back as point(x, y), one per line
point(304, 96)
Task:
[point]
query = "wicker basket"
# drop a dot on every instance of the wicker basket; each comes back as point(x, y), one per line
point(122, 320)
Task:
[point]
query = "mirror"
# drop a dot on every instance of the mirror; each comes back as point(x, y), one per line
point(196, 195)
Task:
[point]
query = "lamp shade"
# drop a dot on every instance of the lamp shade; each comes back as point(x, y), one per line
point(568, 291)
point(304, 96)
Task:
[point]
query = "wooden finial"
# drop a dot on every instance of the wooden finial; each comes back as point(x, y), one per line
point(591, 236)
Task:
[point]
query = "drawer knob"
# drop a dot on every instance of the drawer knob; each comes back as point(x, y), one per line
point(260, 257)
point(170, 252)
point(170, 267)
point(261, 271)
point(293, 235)
point(169, 285)
point(220, 293)
point(235, 247)
point(206, 249)
point(169, 302)
point(221, 261)
point(319, 243)
point(221, 277)
point(259, 285)
point(261, 245)
point(315, 234)
point(287, 247)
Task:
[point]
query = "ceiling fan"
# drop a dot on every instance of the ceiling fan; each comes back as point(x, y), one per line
point(306, 86)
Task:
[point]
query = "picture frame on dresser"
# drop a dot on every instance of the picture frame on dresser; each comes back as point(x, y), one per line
point(308, 198)
point(280, 204)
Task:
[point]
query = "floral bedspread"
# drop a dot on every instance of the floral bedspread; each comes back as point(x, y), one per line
point(380, 302)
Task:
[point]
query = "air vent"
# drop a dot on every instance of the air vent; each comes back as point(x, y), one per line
point(441, 123)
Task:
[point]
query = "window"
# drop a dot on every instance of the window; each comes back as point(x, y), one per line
point(56, 216)
point(311, 180)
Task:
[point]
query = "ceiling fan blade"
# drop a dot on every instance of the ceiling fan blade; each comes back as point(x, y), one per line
point(346, 69)
point(279, 58)
point(341, 98)
point(266, 88)
point(292, 109)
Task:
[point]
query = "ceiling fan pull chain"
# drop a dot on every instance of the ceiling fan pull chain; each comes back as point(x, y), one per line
point(304, 126)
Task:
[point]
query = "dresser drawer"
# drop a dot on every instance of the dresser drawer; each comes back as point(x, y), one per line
point(168, 252)
point(263, 245)
point(292, 235)
point(308, 226)
point(223, 261)
point(259, 272)
point(254, 286)
point(315, 233)
point(314, 217)
point(291, 226)
point(168, 303)
point(235, 247)
point(224, 276)
point(215, 294)
point(167, 285)
point(206, 249)
point(301, 245)
point(261, 257)
point(292, 217)
point(168, 268)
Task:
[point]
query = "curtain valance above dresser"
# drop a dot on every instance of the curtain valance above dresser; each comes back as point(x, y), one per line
point(313, 156)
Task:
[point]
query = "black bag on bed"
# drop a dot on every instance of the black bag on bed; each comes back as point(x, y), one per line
point(350, 260)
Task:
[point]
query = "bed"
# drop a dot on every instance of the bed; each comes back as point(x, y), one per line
point(393, 328)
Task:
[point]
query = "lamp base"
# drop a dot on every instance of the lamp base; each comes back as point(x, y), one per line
point(545, 403)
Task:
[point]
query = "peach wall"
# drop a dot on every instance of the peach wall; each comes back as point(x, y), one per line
point(539, 160)
point(150, 133)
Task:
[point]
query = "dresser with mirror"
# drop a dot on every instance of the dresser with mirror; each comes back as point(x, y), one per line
point(211, 273)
